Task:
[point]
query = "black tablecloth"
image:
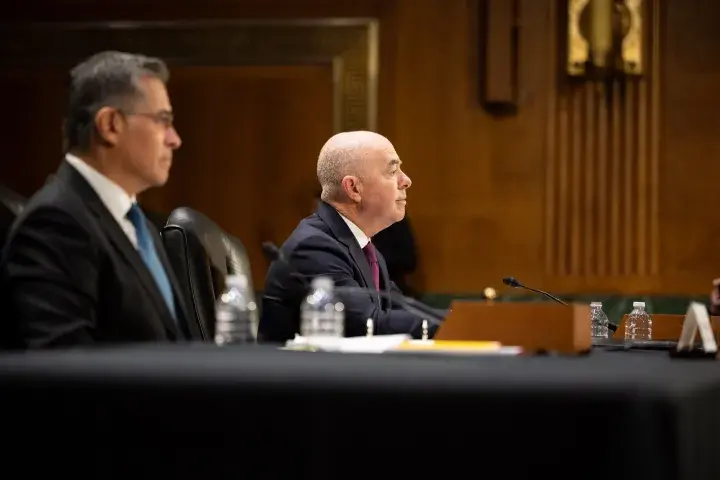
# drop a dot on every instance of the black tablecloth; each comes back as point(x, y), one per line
point(257, 412)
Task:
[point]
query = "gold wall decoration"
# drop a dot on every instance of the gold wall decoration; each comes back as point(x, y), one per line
point(349, 45)
point(578, 46)
point(633, 40)
point(604, 38)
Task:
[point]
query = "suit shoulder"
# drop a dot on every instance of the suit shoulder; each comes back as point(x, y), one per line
point(311, 233)
point(48, 240)
point(46, 223)
point(53, 213)
point(55, 195)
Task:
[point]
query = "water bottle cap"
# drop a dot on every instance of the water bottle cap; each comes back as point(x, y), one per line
point(325, 283)
point(596, 304)
point(638, 304)
point(238, 281)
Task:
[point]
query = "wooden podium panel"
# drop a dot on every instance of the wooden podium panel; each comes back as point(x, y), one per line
point(532, 326)
point(667, 327)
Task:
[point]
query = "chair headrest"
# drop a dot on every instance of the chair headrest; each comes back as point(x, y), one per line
point(226, 253)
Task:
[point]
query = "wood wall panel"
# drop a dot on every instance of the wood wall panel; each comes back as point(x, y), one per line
point(571, 194)
point(602, 186)
point(244, 161)
point(32, 131)
point(690, 218)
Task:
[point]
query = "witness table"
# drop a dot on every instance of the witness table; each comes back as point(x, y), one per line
point(261, 413)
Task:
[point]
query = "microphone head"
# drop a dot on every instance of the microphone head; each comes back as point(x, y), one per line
point(511, 282)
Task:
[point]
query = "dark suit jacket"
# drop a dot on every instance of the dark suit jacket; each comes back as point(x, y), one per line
point(322, 244)
point(70, 276)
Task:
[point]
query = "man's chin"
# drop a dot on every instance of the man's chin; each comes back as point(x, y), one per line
point(163, 173)
point(159, 180)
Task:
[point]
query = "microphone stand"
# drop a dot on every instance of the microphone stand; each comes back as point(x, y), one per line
point(513, 282)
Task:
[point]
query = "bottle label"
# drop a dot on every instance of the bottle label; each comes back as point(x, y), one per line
point(322, 324)
point(233, 325)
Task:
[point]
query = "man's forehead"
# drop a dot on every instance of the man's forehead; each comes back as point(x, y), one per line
point(382, 154)
point(391, 155)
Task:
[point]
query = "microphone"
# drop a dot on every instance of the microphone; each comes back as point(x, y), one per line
point(515, 283)
point(273, 253)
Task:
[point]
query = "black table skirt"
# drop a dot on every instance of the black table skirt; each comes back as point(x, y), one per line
point(257, 412)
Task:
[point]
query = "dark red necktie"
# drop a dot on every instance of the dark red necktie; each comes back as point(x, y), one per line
point(372, 259)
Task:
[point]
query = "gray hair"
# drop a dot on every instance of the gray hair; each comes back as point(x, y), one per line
point(107, 79)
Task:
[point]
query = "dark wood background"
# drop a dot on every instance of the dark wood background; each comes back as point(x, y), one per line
point(572, 193)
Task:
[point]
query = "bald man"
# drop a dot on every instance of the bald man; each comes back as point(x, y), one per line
point(364, 191)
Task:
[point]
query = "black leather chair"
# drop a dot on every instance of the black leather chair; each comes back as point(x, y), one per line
point(202, 255)
point(11, 205)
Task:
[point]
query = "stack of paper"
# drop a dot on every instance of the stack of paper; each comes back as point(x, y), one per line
point(373, 344)
point(397, 343)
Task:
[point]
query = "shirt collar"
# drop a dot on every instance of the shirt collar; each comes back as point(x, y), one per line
point(116, 200)
point(359, 235)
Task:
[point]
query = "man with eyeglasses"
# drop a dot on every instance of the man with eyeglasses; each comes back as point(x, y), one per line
point(83, 264)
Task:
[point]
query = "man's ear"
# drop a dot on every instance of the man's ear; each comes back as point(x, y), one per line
point(351, 186)
point(109, 124)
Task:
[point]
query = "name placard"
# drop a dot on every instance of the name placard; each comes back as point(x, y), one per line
point(697, 319)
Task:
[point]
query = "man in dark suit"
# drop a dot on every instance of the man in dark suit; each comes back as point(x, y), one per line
point(363, 192)
point(83, 265)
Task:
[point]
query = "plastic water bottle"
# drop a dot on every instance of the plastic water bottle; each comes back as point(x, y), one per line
point(639, 324)
point(236, 316)
point(321, 315)
point(598, 321)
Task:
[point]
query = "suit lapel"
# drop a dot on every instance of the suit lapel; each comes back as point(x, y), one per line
point(121, 242)
point(361, 260)
point(342, 232)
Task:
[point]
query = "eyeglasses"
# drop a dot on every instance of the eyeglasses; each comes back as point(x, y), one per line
point(164, 118)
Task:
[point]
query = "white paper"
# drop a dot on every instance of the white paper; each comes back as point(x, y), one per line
point(374, 344)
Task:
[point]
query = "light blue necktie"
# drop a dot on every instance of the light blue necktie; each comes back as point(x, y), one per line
point(147, 250)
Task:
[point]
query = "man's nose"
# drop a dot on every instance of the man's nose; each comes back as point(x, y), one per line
point(172, 138)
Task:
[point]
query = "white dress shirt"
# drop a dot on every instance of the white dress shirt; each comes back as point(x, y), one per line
point(116, 200)
point(359, 235)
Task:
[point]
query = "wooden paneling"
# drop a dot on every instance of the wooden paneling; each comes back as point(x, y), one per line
point(690, 217)
point(602, 162)
point(32, 131)
point(244, 161)
point(255, 97)
point(579, 191)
